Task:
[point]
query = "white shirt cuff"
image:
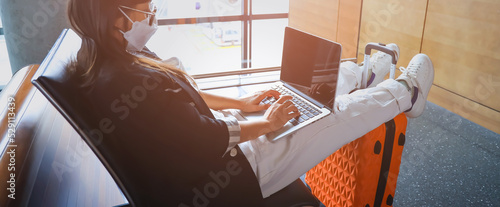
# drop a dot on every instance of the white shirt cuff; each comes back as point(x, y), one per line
point(234, 131)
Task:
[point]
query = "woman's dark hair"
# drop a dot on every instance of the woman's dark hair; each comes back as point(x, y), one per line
point(94, 21)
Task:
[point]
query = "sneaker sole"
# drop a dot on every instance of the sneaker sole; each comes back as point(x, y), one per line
point(422, 92)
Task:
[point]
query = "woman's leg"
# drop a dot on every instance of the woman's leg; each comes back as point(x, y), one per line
point(350, 75)
point(279, 163)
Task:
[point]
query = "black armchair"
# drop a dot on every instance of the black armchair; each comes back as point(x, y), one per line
point(55, 83)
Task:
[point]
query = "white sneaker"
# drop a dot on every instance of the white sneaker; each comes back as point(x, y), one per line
point(380, 64)
point(419, 76)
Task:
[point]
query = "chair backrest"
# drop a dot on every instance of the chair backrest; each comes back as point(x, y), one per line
point(54, 81)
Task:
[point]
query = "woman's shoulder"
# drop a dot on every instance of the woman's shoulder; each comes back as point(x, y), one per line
point(114, 82)
point(134, 74)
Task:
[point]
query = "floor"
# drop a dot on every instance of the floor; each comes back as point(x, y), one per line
point(448, 161)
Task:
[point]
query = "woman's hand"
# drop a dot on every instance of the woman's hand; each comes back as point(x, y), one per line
point(275, 117)
point(251, 103)
point(280, 112)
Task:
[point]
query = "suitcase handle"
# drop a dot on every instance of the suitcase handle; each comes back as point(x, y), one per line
point(380, 47)
point(383, 48)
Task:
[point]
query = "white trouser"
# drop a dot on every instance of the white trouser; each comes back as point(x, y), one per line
point(279, 163)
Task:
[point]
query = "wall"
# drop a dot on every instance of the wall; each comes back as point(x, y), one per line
point(463, 38)
point(336, 20)
point(31, 27)
point(393, 21)
point(460, 37)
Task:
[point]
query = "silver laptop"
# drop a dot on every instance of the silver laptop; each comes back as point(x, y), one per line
point(309, 72)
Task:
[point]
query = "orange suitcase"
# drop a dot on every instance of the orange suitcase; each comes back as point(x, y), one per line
point(363, 172)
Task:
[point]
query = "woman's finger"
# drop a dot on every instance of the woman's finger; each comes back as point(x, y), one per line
point(269, 93)
point(292, 115)
point(287, 104)
point(262, 107)
point(272, 93)
point(292, 109)
point(282, 99)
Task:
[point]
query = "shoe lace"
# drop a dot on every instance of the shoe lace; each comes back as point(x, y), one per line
point(411, 70)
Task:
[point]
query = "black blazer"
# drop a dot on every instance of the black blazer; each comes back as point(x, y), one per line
point(164, 135)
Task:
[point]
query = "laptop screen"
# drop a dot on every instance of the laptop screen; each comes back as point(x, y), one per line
point(311, 64)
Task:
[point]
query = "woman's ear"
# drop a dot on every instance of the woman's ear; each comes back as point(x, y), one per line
point(120, 25)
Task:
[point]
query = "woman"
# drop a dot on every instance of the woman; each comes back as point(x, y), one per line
point(160, 130)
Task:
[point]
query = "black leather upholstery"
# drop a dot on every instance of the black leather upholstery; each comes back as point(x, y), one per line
point(55, 83)
point(294, 195)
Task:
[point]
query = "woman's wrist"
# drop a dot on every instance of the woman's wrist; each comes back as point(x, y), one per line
point(254, 129)
point(240, 104)
point(218, 102)
point(233, 103)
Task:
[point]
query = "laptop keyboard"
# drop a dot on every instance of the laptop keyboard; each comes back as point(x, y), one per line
point(307, 111)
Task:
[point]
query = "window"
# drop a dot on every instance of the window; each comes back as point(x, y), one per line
point(201, 47)
point(214, 36)
point(5, 71)
point(270, 7)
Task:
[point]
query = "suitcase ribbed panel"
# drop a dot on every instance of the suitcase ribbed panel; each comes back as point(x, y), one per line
point(363, 172)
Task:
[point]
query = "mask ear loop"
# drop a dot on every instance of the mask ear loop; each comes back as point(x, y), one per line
point(137, 10)
point(125, 16)
point(149, 15)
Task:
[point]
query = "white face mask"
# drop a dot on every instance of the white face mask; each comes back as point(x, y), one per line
point(140, 33)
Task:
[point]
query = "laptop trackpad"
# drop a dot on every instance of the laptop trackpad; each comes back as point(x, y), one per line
point(246, 116)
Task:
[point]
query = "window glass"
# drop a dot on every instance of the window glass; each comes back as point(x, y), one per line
point(5, 71)
point(172, 9)
point(267, 42)
point(218, 46)
point(202, 48)
point(269, 7)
